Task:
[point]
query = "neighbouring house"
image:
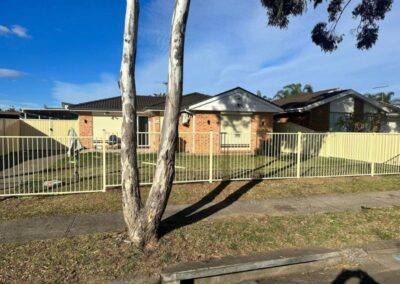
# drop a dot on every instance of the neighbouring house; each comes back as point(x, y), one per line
point(392, 121)
point(9, 124)
point(232, 116)
point(9, 114)
point(338, 110)
point(48, 113)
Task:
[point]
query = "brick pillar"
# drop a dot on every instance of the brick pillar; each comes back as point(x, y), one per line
point(86, 129)
point(261, 123)
point(206, 122)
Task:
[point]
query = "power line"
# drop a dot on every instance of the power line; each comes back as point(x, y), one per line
point(380, 87)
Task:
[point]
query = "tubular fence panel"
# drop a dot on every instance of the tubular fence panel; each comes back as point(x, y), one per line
point(38, 165)
point(231, 156)
point(46, 165)
point(191, 164)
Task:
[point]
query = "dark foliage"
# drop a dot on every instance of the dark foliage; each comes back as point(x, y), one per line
point(279, 11)
point(369, 12)
point(334, 9)
point(324, 34)
point(317, 2)
point(327, 40)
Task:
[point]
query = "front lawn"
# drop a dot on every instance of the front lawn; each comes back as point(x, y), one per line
point(98, 257)
point(190, 193)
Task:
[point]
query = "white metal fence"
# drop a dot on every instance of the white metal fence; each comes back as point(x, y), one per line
point(224, 156)
point(34, 165)
point(41, 165)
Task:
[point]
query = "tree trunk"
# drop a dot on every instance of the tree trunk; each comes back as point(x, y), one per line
point(143, 221)
point(165, 170)
point(131, 201)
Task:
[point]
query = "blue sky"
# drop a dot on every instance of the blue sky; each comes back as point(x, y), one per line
point(70, 50)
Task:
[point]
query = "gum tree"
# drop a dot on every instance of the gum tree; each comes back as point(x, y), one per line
point(143, 218)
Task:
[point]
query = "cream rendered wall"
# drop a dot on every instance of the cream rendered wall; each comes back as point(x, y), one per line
point(47, 127)
point(110, 124)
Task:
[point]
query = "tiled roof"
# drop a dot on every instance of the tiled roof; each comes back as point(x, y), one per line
point(143, 103)
point(303, 100)
point(115, 103)
point(187, 100)
point(391, 107)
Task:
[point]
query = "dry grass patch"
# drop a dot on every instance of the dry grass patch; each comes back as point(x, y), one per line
point(105, 256)
point(110, 201)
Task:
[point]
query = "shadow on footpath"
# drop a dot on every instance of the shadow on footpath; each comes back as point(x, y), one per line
point(354, 275)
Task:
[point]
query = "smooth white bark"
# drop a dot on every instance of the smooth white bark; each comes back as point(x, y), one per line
point(130, 176)
point(143, 221)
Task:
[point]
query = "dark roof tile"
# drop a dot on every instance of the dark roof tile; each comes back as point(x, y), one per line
point(187, 100)
point(303, 100)
point(143, 103)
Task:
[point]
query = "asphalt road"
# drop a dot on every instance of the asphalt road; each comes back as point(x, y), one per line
point(336, 277)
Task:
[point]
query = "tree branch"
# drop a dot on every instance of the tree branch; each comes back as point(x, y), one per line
point(340, 16)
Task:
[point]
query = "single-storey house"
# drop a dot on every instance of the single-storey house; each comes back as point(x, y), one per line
point(233, 116)
point(392, 122)
point(338, 110)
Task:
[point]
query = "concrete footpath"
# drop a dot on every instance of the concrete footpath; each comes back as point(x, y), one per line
point(67, 226)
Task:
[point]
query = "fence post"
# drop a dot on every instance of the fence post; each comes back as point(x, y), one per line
point(371, 153)
point(298, 153)
point(211, 158)
point(104, 162)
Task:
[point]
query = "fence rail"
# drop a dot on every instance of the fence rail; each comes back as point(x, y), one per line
point(47, 165)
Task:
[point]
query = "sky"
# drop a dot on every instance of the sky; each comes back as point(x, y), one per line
point(70, 51)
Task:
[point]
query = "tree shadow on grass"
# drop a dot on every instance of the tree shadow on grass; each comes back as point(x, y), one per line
point(190, 215)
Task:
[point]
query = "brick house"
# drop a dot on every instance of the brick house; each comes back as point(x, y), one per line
point(337, 110)
point(235, 118)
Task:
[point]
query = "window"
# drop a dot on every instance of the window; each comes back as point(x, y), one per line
point(346, 122)
point(235, 131)
point(338, 121)
point(143, 131)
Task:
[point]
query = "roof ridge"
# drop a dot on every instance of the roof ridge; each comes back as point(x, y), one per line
point(107, 99)
point(321, 92)
point(95, 101)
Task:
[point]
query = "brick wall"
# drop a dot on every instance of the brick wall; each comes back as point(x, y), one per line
point(202, 124)
point(86, 129)
point(185, 143)
point(261, 124)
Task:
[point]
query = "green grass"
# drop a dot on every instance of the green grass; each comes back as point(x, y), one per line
point(99, 257)
point(110, 201)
